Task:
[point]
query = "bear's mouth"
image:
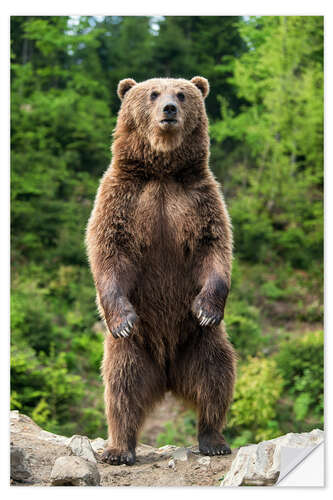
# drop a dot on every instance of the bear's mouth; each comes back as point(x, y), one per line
point(169, 121)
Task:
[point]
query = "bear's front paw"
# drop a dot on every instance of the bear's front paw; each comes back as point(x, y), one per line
point(125, 327)
point(207, 319)
point(207, 314)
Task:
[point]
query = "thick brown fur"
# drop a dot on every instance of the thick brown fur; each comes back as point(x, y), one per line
point(160, 248)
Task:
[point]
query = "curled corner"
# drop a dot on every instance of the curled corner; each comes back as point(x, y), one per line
point(302, 466)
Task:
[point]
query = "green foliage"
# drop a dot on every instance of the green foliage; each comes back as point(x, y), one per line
point(258, 388)
point(180, 432)
point(44, 387)
point(280, 127)
point(243, 327)
point(41, 413)
point(266, 113)
point(300, 362)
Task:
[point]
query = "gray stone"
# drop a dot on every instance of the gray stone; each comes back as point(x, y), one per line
point(35, 451)
point(204, 461)
point(195, 450)
point(19, 466)
point(41, 449)
point(98, 444)
point(167, 447)
point(260, 464)
point(74, 471)
point(167, 450)
point(181, 454)
point(17, 418)
point(53, 438)
point(80, 446)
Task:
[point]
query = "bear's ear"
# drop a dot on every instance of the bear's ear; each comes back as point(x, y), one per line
point(202, 84)
point(124, 86)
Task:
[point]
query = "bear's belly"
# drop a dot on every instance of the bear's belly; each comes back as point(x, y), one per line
point(169, 262)
point(163, 296)
point(166, 281)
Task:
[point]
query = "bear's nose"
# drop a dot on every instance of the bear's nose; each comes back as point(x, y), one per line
point(170, 109)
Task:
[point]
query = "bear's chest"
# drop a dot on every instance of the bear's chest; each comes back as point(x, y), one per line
point(166, 218)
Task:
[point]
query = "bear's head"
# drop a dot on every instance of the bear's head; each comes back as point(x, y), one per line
point(163, 112)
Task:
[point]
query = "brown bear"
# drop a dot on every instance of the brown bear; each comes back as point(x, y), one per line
point(160, 248)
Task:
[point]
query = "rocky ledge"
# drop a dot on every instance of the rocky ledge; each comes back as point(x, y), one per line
point(40, 458)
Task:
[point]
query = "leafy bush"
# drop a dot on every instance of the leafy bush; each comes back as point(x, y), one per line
point(253, 415)
point(31, 317)
point(276, 177)
point(180, 432)
point(254, 234)
point(44, 388)
point(300, 361)
point(242, 321)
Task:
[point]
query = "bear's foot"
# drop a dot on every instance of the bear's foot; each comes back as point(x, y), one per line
point(213, 443)
point(114, 456)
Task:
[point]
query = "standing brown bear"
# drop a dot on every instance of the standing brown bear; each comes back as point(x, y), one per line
point(160, 248)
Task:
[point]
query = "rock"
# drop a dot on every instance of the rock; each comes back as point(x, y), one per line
point(17, 418)
point(195, 450)
point(80, 446)
point(39, 453)
point(167, 450)
point(49, 436)
point(181, 454)
point(98, 444)
point(19, 466)
point(42, 458)
point(302, 440)
point(74, 471)
point(167, 447)
point(204, 461)
point(260, 465)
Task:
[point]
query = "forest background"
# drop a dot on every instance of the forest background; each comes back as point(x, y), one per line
point(266, 126)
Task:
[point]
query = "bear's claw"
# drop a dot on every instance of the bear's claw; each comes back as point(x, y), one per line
point(213, 443)
point(209, 320)
point(207, 313)
point(125, 328)
point(113, 456)
point(219, 450)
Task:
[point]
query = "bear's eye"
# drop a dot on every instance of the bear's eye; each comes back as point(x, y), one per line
point(154, 95)
point(181, 96)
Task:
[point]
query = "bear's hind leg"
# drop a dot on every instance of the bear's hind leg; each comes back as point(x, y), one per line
point(215, 391)
point(205, 377)
point(132, 385)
